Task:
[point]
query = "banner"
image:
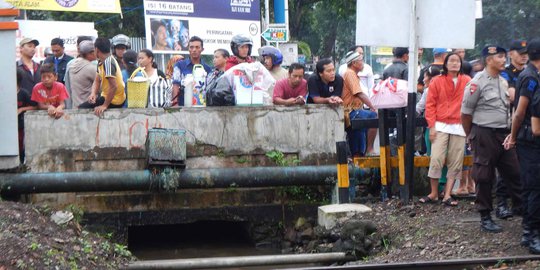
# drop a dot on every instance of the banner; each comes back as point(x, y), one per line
point(99, 6)
point(170, 24)
point(45, 31)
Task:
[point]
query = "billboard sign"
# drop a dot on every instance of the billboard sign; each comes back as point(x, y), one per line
point(171, 23)
point(276, 34)
point(45, 31)
point(443, 23)
point(95, 6)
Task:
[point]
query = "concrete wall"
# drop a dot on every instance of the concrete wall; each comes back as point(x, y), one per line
point(216, 136)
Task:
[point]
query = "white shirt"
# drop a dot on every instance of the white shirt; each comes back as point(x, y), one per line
point(454, 129)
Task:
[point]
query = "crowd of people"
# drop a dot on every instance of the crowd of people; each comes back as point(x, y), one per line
point(467, 106)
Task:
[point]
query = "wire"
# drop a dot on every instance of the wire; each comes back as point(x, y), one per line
point(125, 10)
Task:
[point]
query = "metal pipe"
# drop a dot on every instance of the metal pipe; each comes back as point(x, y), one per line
point(225, 262)
point(168, 179)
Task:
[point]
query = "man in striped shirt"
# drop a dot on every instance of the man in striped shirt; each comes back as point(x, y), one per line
point(108, 80)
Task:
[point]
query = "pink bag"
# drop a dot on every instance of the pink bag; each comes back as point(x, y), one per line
point(390, 93)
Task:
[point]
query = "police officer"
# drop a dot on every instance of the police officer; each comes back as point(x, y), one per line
point(518, 60)
point(485, 115)
point(528, 146)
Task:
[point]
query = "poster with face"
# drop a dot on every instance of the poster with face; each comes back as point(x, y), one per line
point(170, 24)
point(169, 34)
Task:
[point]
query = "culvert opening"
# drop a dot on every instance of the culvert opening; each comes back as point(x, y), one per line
point(201, 239)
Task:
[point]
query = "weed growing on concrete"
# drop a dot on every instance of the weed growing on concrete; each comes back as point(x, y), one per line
point(241, 160)
point(220, 153)
point(279, 158)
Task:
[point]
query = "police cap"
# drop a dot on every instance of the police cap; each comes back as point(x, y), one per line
point(518, 45)
point(533, 49)
point(492, 50)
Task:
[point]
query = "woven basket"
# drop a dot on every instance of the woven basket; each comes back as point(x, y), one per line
point(137, 89)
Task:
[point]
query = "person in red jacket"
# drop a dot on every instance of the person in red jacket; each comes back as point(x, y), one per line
point(443, 116)
point(241, 47)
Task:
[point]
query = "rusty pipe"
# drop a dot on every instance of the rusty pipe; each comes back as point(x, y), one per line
point(169, 179)
point(228, 262)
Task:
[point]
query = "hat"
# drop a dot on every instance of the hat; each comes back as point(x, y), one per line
point(440, 51)
point(351, 56)
point(28, 40)
point(518, 45)
point(533, 49)
point(86, 46)
point(492, 50)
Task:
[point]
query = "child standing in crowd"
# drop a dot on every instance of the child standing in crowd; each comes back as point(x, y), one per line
point(50, 94)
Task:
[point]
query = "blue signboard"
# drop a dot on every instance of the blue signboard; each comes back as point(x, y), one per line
point(171, 23)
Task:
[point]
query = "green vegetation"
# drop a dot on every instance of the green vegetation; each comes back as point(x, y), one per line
point(77, 211)
point(121, 250)
point(279, 158)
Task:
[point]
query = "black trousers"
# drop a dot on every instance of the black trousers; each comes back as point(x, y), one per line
point(529, 161)
point(488, 155)
point(501, 192)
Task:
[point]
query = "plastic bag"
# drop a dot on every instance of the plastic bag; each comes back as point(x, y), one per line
point(248, 82)
point(390, 93)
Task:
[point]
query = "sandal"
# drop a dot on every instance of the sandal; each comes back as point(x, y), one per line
point(461, 193)
point(450, 202)
point(427, 200)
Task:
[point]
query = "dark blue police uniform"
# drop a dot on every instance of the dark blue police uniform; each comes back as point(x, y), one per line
point(528, 148)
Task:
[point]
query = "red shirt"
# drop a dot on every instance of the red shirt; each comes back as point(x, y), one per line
point(444, 99)
point(285, 91)
point(233, 61)
point(54, 96)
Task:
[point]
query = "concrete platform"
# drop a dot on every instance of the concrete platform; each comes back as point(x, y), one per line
point(328, 215)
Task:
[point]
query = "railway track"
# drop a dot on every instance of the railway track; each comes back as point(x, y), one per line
point(458, 264)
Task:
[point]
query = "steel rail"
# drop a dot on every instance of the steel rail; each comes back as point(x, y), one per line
point(432, 265)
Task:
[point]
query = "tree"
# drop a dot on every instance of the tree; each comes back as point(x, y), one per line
point(107, 25)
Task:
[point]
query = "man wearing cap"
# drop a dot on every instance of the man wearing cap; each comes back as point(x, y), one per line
point(81, 74)
point(518, 61)
point(485, 116)
point(398, 69)
point(528, 146)
point(59, 59)
point(31, 69)
point(438, 61)
point(354, 97)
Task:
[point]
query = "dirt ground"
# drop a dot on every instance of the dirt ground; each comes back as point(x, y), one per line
point(29, 239)
point(435, 232)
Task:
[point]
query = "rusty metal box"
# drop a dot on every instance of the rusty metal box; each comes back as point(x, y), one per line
point(166, 147)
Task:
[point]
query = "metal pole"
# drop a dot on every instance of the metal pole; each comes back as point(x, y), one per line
point(342, 172)
point(266, 17)
point(227, 262)
point(168, 179)
point(411, 107)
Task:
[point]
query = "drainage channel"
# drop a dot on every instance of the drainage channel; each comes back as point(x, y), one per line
point(214, 244)
point(195, 240)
